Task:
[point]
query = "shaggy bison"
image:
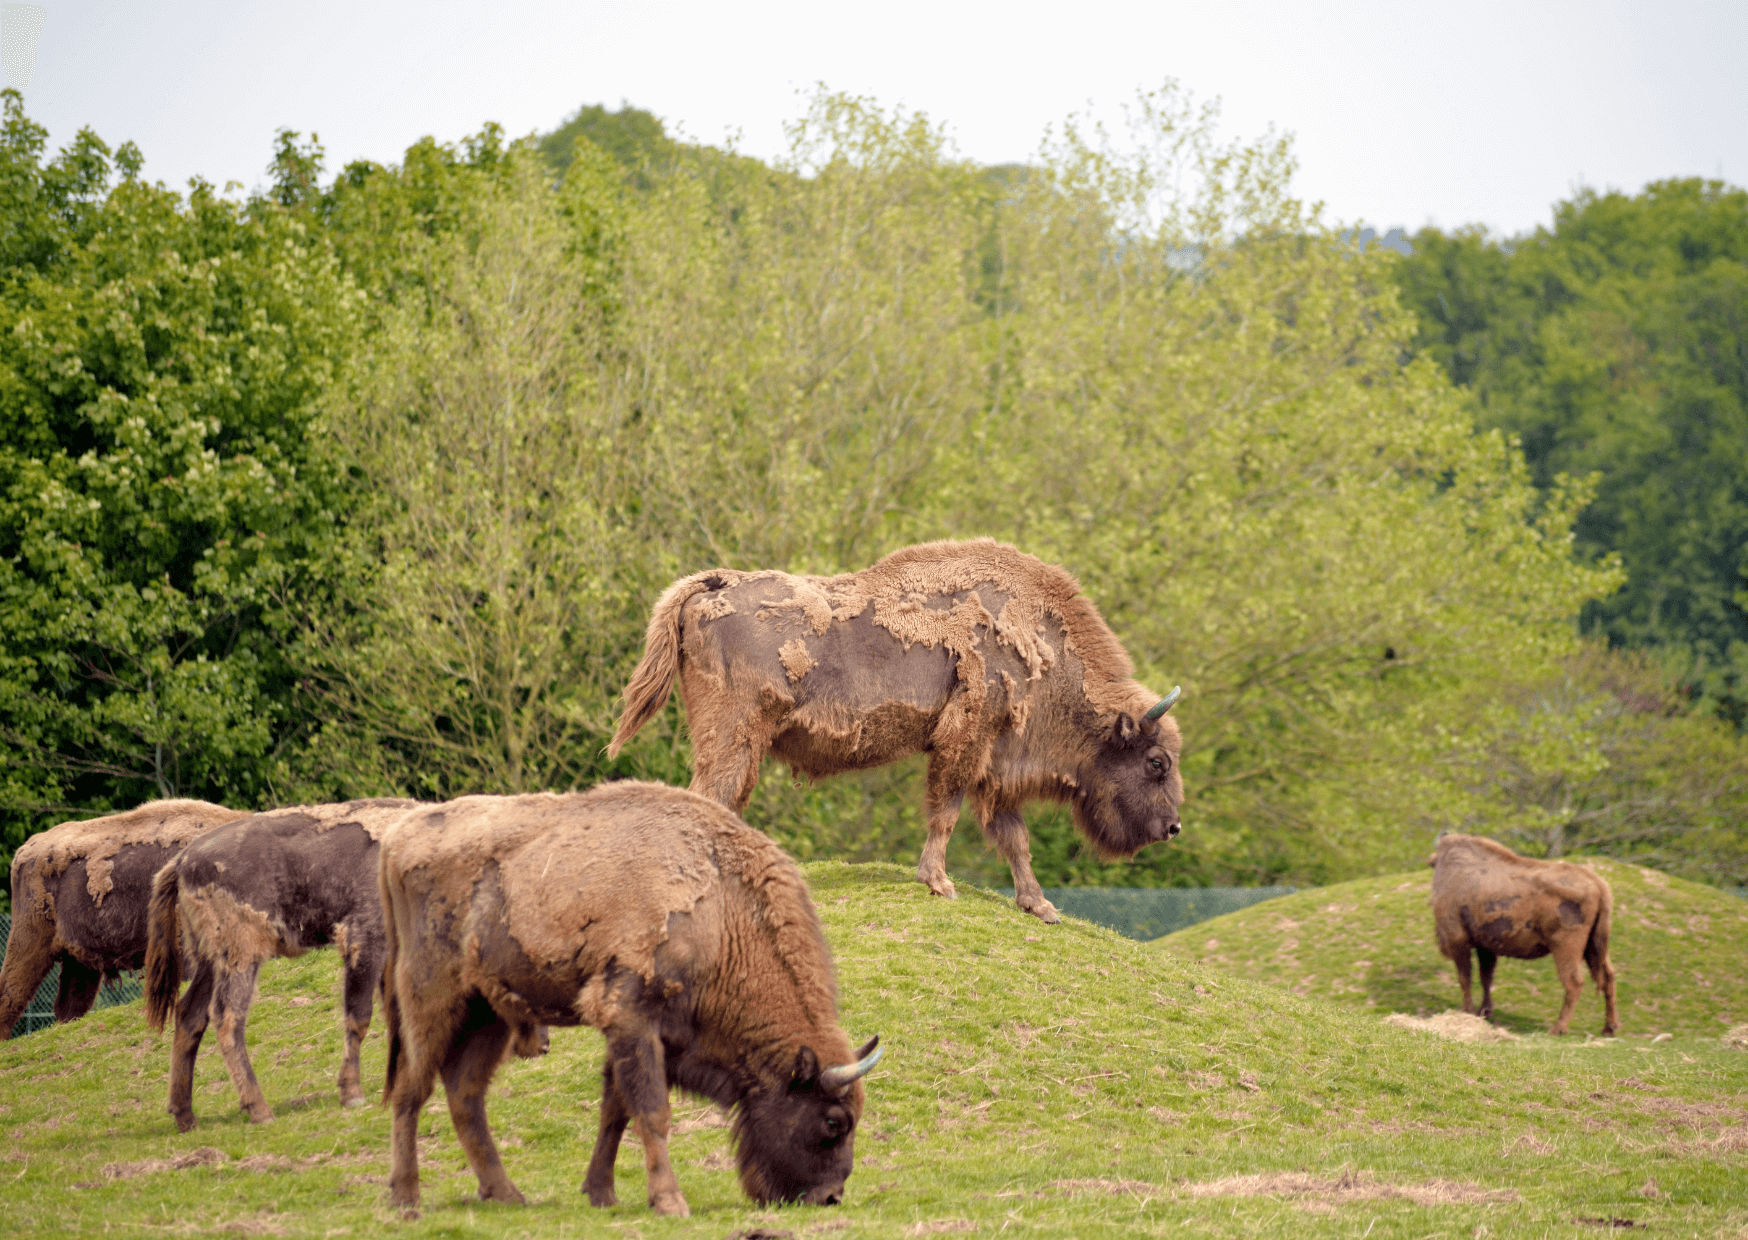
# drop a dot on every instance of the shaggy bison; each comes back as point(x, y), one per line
point(79, 895)
point(988, 660)
point(1486, 897)
point(274, 884)
point(683, 935)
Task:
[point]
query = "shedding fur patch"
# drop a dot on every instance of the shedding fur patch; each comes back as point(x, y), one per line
point(715, 608)
point(218, 926)
point(96, 841)
point(796, 661)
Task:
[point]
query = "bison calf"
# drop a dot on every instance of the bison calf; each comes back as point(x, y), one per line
point(274, 884)
point(79, 894)
point(1486, 897)
point(655, 915)
point(988, 660)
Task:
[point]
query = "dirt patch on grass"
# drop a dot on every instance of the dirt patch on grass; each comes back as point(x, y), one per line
point(205, 1156)
point(1116, 1188)
point(1350, 1186)
point(1457, 1026)
point(1737, 1038)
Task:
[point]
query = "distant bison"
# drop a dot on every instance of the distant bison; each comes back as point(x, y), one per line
point(79, 894)
point(274, 884)
point(683, 935)
point(1486, 897)
point(988, 660)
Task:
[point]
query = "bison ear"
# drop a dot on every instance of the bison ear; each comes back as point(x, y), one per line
point(806, 1068)
point(1125, 730)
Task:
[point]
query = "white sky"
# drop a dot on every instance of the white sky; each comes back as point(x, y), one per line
point(1403, 114)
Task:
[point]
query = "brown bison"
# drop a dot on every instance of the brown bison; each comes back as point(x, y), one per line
point(683, 935)
point(79, 895)
point(274, 884)
point(1486, 897)
point(988, 660)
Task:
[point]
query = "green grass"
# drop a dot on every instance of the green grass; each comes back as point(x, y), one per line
point(1038, 1080)
point(1680, 952)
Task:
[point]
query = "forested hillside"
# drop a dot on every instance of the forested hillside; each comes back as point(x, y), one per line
point(366, 483)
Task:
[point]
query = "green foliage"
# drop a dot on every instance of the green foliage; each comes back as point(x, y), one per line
point(1613, 344)
point(161, 360)
point(1037, 1080)
point(1675, 945)
point(633, 137)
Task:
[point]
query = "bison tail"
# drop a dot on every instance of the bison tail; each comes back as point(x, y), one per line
point(1596, 947)
point(163, 947)
point(391, 1006)
point(654, 676)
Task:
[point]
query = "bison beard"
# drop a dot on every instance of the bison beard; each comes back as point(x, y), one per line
point(1487, 898)
point(988, 660)
point(650, 913)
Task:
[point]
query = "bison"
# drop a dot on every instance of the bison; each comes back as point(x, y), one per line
point(1486, 897)
point(987, 659)
point(653, 914)
point(274, 884)
point(79, 894)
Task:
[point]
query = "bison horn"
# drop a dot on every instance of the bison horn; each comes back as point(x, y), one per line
point(834, 1079)
point(1164, 704)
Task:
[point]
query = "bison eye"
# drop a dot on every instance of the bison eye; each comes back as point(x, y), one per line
point(834, 1127)
point(1157, 763)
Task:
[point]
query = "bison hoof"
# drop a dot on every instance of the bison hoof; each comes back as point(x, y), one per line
point(184, 1123)
point(357, 1101)
point(942, 887)
point(260, 1115)
point(1044, 911)
point(505, 1192)
point(672, 1203)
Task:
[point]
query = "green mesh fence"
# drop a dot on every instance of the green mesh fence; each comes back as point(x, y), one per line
point(1149, 912)
point(40, 1014)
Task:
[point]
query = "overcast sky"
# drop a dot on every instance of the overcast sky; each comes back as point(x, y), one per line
point(1403, 114)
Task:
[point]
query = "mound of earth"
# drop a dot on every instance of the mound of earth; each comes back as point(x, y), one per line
point(1677, 949)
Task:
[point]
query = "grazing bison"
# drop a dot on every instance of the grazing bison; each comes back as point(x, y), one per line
point(988, 660)
point(79, 895)
point(1486, 897)
point(275, 884)
point(655, 915)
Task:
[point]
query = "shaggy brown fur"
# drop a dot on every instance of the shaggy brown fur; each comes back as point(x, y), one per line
point(275, 884)
point(1486, 897)
point(79, 894)
point(652, 914)
point(988, 660)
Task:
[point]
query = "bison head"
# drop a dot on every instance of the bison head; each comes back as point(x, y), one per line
point(795, 1140)
point(1128, 792)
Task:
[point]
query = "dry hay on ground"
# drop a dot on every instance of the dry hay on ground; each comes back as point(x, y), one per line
point(1737, 1038)
point(1349, 1186)
point(1458, 1026)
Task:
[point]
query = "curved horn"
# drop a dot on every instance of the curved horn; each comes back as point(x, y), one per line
point(1165, 703)
point(837, 1078)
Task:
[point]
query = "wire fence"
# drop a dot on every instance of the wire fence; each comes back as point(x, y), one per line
point(40, 1013)
point(1150, 912)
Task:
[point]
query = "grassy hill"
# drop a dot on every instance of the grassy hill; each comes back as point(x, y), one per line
point(1039, 1080)
point(1680, 952)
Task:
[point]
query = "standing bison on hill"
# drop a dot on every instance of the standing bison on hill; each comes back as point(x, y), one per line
point(985, 658)
point(683, 935)
point(79, 894)
point(1486, 897)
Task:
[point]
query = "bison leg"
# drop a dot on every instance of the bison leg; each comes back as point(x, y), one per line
point(1460, 958)
point(192, 1012)
point(29, 957)
point(473, 1057)
point(640, 1072)
point(357, 990)
point(232, 992)
point(410, 1090)
point(78, 990)
point(1568, 955)
point(1602, 973)
point(943, 803)
point(1007, 831)
point(598, 1183)
point(1487, 961)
